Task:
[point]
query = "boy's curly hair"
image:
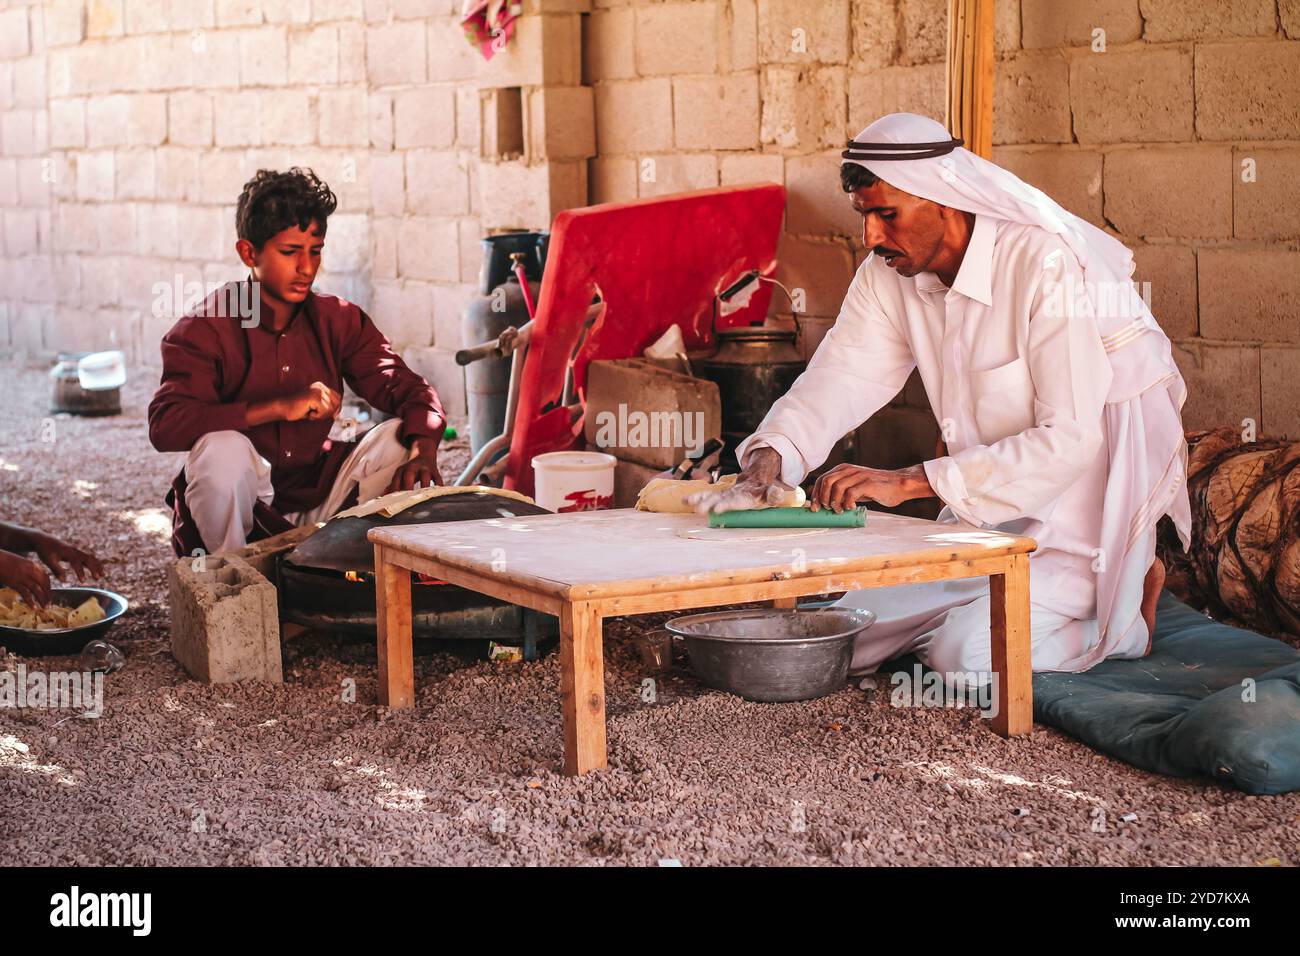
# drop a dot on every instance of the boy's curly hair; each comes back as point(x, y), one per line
point(273, 201)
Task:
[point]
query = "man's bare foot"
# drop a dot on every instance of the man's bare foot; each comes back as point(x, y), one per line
point(1151, 586)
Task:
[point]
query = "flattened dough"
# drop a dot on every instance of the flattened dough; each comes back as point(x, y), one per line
point(747, 534)
point(666, 496)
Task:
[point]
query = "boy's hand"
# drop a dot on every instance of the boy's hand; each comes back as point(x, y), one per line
point(422, 469)
point(54, 551)
point(315, 402)
point(26, 577)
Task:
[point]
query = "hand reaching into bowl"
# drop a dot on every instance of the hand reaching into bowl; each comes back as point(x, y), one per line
point(27, 577)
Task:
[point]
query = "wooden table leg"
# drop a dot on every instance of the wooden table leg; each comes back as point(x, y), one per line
point(582, 687)
point(786, 602)
point(393, 618)
point(1009, 612)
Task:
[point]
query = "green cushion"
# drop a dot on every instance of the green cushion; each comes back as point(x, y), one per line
point(1208, 700)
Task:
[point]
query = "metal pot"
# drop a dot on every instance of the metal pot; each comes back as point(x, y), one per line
point(773, 655)
point(753, 367)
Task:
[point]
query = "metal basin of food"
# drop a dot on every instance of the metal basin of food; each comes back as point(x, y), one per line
point(772, 655)
point(65, 640)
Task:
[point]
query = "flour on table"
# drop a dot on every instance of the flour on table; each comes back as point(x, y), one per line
point(747, 534)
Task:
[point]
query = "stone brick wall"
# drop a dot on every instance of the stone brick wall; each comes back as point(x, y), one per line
point(128, 126)
point(1144, 135)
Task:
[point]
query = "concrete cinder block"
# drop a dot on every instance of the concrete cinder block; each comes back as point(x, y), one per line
point(67, 123)
point(634, 117)
point(1249, 295)
point(287, 117)
point(1280, 375)
point(515, 196)
point(794, 31)
point(816, 205)
point(225, 620)
point(613, 180)
point(437, 183)
point(1171, 271)
point(561, 123)
point(342, 117)
point(395, 53)
point(609, 45)
point(135, 175)
point(802, 109)
point(924, 31)
point(438, 367)
point(424, 117)
point(428, 249)
point(1155, 86)
point(239, 121)
point(1289, 13)
point(126, 120)
point(816, 271)
point(676, 38)
point(189, 119)
point(1170, 191)
point(451, 56)
point(676, 173)
point(1248, 90)
point(545, 51)
point(388, 184)
point(1264, 207)
point(640, 412)
point(875, 33)
point(1223, 383)
point(95, 176)
point(720, 112)
point(1070, 176)
point(1032, 91)
point(1045, 23)
point(65, 21)
point(738, 168)
point(264, 57)
point(737, 36)
point(235, 13)
point(314, 56)
point(895, 89)
point(1214, 19)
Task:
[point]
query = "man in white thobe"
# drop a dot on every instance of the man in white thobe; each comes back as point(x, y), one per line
point(1054, 388)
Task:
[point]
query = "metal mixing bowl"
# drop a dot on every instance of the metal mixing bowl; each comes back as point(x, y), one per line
point(771, 655)
point(65, 640)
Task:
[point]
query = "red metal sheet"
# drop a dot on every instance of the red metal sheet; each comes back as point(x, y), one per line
point(654, 263)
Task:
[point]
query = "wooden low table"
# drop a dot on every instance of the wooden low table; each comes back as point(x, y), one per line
point(587, 566)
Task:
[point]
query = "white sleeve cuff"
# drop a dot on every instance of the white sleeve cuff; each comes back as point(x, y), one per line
point(946, 479)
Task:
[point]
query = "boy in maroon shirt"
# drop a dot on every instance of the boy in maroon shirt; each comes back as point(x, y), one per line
point(253, 378)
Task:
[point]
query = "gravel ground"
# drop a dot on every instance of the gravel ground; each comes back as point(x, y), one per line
point(182, 773)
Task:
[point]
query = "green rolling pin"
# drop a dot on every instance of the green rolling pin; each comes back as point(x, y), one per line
point(789, 518)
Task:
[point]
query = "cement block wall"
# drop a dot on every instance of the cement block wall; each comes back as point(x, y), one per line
point(127, 128)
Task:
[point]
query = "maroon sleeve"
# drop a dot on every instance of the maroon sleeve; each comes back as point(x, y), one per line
point(378, 374)
point(187, 404)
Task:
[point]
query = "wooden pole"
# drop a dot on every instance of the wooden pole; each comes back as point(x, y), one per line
point(970, 73)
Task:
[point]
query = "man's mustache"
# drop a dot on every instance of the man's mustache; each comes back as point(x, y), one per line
point(883, 251)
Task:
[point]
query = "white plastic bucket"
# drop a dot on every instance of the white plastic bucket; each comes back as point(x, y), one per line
point(574, 480)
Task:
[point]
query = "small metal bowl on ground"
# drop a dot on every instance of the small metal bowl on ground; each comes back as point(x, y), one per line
point(65, 640)
point(771, 655)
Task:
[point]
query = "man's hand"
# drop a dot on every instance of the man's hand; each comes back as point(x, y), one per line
point(26, 577)
point(315, 402)
point(54, 552)
point(844, 486)
point(759, 485)
point(422, 469)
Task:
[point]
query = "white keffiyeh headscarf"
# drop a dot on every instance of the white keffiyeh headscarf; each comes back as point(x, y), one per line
point(1143, 420)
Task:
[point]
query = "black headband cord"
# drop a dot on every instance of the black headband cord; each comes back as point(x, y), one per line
point(898, 151)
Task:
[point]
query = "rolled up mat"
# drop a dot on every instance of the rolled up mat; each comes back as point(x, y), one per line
point(789, 518)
